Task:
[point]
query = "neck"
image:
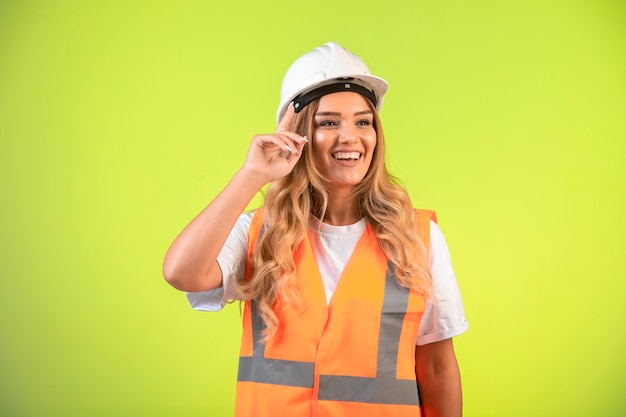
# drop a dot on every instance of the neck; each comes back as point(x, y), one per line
point(341, 210)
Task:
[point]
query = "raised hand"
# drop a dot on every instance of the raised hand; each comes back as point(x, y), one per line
point(272, 156)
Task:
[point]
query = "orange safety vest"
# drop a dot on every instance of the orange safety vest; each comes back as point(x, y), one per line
point(353, 357)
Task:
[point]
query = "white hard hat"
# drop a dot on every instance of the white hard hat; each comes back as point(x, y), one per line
point(324, 70)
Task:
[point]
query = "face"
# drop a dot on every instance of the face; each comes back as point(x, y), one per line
point(344, 139)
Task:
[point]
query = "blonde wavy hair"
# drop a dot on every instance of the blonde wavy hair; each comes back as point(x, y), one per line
point(291, 200)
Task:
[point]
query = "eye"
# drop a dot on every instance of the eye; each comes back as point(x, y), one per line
point(327, 123)
point(364, 122)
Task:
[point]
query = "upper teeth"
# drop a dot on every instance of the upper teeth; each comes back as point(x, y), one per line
point(347, 155)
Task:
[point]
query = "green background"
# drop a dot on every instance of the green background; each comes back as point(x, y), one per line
point(120, 120)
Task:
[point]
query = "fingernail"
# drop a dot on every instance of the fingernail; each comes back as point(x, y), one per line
point(291, 149)
point(304, 138)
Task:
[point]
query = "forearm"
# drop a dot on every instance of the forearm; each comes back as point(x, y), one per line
point(441, 395)
point(190, 262)
point(439, 380)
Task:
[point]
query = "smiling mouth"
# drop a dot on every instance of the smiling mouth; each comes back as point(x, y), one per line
point(347, 156)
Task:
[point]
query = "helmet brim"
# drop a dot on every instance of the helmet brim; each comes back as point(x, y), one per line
point(376, 84)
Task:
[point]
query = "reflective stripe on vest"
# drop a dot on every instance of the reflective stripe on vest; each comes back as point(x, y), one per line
point(385, 388)
point(257, 368)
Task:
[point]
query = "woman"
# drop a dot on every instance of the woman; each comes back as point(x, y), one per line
point(350, 298)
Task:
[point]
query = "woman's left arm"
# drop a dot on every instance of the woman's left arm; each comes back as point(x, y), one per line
point(438, 379)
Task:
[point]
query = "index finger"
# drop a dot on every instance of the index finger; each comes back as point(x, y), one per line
point(285, 122)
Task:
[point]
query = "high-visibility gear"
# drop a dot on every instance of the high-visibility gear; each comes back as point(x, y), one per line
point(325, 65)
point(352, 357)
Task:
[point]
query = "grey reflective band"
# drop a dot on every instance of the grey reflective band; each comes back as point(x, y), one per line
point(385, 388)
point(395, 304)
point(275, 371)
point(347, 84)
point(381, 390)
point(257, 368)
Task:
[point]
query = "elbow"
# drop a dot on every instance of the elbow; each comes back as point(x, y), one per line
point(180, 276)
point(174, 274)
point(170, 275)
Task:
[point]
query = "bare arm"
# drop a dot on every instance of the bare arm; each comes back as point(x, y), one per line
point(190, 262)
point(438, 379)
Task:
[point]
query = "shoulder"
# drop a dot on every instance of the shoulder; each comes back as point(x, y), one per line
point(426, 214)
point(239, 233)
point(244, 221)
point(247, 217)
point(429, 229)
point(437, 239)
point(439, 254)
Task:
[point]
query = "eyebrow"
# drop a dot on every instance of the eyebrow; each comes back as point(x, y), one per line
point(330, 113)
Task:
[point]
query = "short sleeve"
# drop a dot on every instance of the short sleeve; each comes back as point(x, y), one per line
point(232, 263)
point(443, 317)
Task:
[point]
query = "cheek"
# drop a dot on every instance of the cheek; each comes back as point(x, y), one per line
point(318, 136)
point(371, 147)
point(321, 143)
point(317, 149)
point(371, 141)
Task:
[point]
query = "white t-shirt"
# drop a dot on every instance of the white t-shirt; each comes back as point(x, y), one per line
point(332, 247)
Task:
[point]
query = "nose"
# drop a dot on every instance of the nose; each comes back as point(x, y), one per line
point(347, 134)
